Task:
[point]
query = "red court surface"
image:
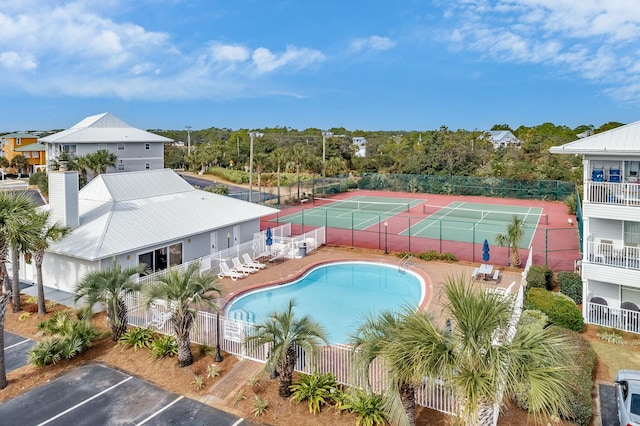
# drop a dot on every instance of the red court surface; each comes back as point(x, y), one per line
point(555, 244)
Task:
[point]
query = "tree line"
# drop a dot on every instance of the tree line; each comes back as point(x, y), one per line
point(442, 152)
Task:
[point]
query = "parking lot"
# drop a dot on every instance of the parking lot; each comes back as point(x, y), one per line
point(15, 351)
point(96, 394)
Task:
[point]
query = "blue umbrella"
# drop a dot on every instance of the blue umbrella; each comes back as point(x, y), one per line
point(269, 238)
point(485, 251)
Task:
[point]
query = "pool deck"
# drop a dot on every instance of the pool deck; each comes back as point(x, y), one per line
point(435, 273)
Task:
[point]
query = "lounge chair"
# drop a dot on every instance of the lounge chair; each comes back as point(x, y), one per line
point(238, 266)
point(250, 262)
point(231, 273)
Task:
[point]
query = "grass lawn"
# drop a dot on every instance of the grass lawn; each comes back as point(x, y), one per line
point(612, 357)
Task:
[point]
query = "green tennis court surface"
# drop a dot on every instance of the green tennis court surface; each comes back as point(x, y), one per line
point(359, 212)
point(475, 222)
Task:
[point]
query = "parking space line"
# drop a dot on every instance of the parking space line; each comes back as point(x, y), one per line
point(160, 410)
point(17, 344)
point(237, 422)
point(85, 401)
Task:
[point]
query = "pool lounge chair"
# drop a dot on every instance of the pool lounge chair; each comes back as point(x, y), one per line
point(238, 266)
point(250, 262)
point(231, 273)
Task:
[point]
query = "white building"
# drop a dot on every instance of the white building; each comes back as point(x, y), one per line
point(361, 143)
point(502, 138)
point(611, 225)
point(152, 217)
point(136, 149)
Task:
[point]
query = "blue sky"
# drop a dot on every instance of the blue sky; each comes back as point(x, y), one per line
point(370, 65)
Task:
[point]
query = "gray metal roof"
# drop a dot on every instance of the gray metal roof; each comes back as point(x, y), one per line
point(20, 135)
point(31, 147)
point(103, 128)
point(124, 212)
point(621, 140)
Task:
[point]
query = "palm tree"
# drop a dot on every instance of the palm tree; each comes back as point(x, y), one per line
point(278, 157)
point(101, 160)
point(49, 233)
point(20, 163)
point(4, 300)
point(298, 155)
point(108, 287)
point(183, 290)
point(368, 342)
point(475, 359)
point(511, 240)
point(17, 234)
point(284, 332)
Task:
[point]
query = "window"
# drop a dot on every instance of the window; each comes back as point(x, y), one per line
point(120, 147)
point(69, 149)
point(102, 147)
point(121, 167)
point(18, 141)
point(147, 146)
point(147, 166)
point(157, 259)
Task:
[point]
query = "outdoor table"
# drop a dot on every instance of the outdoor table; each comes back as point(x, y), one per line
point(485, 269)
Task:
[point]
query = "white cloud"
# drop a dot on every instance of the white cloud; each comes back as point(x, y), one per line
point(594, 39)
point(265, 61)
point(14, 61)
point(375, 43)
point(80, 48)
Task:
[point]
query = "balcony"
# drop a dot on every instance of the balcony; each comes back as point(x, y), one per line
point(611, 254)
point(622, 194)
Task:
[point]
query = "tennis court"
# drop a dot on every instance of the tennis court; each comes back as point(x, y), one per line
point(474, 222)
point(359, 212)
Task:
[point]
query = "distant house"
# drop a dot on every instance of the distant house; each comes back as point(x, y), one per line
point(502, 138)
point(361, 143)
point(152, 217)
point(136, 149)
point(25, 144)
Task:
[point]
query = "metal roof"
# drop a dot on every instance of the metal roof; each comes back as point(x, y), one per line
point(621, 140)
point(32, 147)
point(19, 135)
point(125, 212)
point(102, 128)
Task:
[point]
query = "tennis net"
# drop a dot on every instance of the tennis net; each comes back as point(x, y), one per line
point(327, 203)
point(439, 212)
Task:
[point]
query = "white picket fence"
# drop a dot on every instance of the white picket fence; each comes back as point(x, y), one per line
point(336, 359)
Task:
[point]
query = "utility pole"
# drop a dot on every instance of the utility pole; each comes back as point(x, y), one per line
point(325, 135)
point(252, 135)
point(188, 139)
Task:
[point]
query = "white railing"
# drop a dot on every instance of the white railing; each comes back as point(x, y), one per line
point(624, 194)
point(610, 254)
point(606, 316)
point(336, 359)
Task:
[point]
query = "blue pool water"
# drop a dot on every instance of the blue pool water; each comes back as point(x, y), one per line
point(337, 295)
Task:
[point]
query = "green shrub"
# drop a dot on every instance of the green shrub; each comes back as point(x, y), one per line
point(74, 338)
point(540, 276)
point(570, 284)
point(581, 381)
point(316, 389)
point(369, 407)
point(612, 338)
point(430, 255)
point(164, 346)
point(219, 189)
point(561, 310)
point(571, 202)
point(532, 318)
point(137, 337)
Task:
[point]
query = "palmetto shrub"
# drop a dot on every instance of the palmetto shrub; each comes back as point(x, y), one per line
point(73, 337)
point(368, 406)
point(137, 338)
point(164, 346)
point(316, 389)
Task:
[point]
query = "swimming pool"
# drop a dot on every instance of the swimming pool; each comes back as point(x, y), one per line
point(337, 295)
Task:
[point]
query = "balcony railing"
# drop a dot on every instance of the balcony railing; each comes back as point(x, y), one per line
point(606, 316)
point(621, 256)
point(623, 194)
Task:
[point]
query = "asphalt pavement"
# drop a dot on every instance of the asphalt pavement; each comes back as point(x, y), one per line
point(16, 349)
point(94, 394)
point(608, 406)
point(238, 192)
